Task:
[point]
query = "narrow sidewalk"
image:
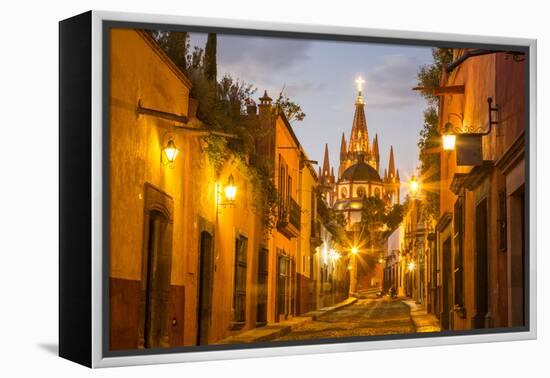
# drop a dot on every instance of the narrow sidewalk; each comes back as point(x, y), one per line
point(423, 321)
point(276, 330)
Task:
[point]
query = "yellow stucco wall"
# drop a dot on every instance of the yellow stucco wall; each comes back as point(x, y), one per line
point(135, 148)
point(139, 72)
point(308, 183)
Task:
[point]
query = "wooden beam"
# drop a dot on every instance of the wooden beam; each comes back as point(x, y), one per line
point(430, 151)
point(442, 91)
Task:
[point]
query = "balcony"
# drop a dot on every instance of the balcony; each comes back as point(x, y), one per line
point(289, 219)
point(315, 237)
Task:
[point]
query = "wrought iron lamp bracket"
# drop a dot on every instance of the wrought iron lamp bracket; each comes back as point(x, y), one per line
point(472, 130)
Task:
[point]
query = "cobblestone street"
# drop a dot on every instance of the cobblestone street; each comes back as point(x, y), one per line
point(366, 317)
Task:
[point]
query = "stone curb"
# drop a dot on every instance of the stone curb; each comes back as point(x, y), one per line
point(429, 323)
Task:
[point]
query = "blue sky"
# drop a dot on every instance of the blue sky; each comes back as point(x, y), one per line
point(320, 76)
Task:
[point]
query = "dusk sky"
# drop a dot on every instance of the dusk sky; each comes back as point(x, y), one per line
point(320, 76)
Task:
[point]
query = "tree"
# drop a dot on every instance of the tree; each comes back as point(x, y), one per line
point(210, 64)
point(176, 46)
point(291, 110)
point(373, 213)
point(222, 107)
point(429, 76)
point(394, 217)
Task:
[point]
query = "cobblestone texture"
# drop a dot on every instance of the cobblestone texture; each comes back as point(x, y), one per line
point(366, 317)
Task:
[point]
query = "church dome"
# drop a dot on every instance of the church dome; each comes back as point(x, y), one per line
point(361, 171)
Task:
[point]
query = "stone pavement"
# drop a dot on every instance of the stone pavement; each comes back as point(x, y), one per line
point(423, 321)
point(278, 330)
point(366, 317)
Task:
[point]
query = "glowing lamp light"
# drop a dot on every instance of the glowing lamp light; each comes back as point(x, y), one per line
point(354, 250)
point(380, 261)
point(414, 185)
point(334, 255)
point(411, 266)
point(449, 141)
point(230, 189)
point(170, 151)
point(448, 138)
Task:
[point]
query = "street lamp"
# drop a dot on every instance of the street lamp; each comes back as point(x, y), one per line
point(230, 192)
point(354, 250)
point(411, 266)
point(449, 137)
point(230, 189)
point(169, 152)
point(450, 133)
point(414, 185)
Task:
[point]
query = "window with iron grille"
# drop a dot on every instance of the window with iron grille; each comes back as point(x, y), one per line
point(459, 256)
point(239, 292)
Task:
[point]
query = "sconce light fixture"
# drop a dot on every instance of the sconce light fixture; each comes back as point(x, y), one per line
point(169, 151)
point(450, 133)
point(229, 193)
point(230, 189)
point(448, 138)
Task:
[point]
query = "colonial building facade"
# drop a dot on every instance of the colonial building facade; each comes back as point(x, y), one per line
point(191, 260)
point(480, 234)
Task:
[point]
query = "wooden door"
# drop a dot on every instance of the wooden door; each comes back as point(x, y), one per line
point(206, 270)
point(447, 288)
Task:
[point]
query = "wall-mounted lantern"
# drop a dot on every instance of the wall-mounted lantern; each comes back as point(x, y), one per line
point(448, 138)
point(230, 190)
point(169, 152)
point(467, 143)
point(229, 193)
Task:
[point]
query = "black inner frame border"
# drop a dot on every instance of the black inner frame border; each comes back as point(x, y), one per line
point(107, 25)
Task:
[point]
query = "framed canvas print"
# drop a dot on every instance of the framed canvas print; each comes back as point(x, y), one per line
point(233, 189)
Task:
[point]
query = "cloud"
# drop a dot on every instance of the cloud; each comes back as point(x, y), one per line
point(389, 84)
point(258, 59)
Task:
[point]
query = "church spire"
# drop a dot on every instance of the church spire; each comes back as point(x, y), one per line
point(359, 139)
point(326, 163)
point(391, 166)
point(375, 151)
point(343, 148)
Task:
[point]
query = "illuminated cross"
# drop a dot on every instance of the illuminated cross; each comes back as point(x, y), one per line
point(360, 83)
